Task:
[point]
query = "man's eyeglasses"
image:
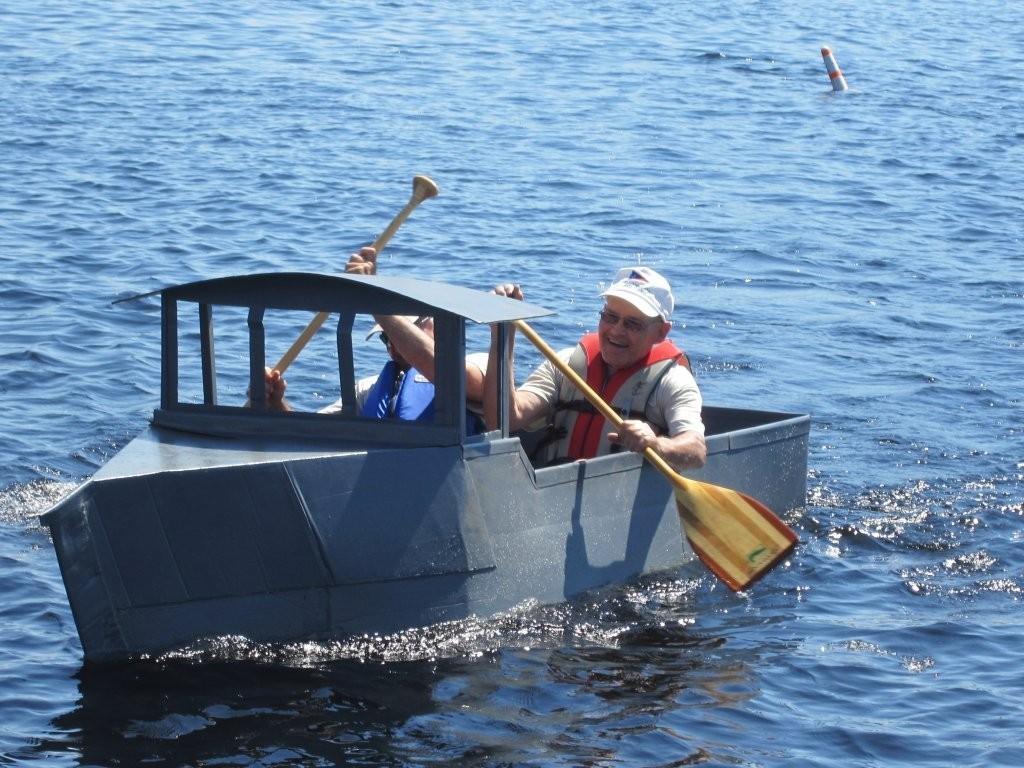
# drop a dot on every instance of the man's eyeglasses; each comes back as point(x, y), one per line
point(384, 339)
point(631, 324)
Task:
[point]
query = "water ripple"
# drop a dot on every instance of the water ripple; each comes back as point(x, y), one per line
point(855, 255)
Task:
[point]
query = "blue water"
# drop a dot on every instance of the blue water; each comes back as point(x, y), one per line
point(858, 256)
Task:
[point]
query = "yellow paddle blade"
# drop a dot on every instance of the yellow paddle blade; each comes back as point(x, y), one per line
point(734, 535)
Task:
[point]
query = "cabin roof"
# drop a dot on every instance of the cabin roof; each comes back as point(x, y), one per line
point(376, 294)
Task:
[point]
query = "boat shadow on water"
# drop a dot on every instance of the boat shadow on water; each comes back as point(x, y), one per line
point(178, 712)
point(574, 675)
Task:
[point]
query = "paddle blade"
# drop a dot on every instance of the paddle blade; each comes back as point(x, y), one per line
point(734, 535)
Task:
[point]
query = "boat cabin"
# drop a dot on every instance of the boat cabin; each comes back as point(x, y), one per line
point(261, 299)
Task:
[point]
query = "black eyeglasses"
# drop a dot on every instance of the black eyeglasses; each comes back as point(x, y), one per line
point(384, 339)
point(631, 324)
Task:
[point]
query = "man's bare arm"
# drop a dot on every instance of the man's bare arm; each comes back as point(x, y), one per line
point(687, 450)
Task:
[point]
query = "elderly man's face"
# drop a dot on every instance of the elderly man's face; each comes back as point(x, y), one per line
point(626, 334)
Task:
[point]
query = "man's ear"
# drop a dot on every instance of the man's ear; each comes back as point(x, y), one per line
point(665, 328)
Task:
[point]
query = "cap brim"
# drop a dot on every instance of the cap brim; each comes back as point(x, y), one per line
point(417, 321)
point(648, 308)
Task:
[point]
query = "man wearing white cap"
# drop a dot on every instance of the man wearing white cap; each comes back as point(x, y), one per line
point(631, 364)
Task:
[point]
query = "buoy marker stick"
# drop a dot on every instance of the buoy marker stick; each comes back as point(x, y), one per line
point(835, 74)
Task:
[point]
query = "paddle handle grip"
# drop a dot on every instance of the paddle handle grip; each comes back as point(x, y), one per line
point(595, 399)
point(422, 189)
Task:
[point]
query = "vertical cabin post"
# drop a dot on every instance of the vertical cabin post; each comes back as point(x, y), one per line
point(169, 345)
point(450, 372)
point(504, 362)
point(346, 365)
point(206, 351)
point(257, 359)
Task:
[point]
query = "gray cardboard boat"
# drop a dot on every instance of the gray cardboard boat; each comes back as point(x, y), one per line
point(221, 519)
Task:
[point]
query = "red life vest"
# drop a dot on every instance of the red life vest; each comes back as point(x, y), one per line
point(582, 429)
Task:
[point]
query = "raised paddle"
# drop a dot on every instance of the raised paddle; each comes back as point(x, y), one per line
point(734, 535)
point(422, 189)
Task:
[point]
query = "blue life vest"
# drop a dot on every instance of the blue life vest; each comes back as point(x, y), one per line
point(415, 401)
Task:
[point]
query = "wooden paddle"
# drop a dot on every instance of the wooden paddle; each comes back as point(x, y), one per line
point(422, 189)
point(734, 535)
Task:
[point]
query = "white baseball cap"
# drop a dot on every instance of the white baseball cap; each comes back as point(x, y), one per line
point(645, 289)
point(420, 321)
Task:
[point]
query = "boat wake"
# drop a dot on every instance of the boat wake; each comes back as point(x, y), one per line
point(652, 606)
point(22, 503)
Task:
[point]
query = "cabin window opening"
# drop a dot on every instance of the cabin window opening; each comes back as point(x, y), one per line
point(216, 342)
point(190, 384)
point(221, 377)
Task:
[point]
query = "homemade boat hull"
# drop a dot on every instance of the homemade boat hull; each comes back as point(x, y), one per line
point(184, 536)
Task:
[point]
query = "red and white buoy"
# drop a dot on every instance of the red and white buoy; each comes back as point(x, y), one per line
point(835, 74)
